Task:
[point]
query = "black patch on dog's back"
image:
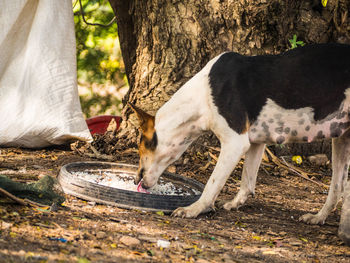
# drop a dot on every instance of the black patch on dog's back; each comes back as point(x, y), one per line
point(313, 76)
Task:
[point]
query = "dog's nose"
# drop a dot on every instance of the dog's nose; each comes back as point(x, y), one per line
point(144, 185)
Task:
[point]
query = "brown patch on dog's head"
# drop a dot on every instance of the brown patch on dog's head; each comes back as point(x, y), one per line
point(149, 140)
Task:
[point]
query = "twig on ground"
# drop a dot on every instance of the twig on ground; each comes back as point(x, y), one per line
point(130, 150)
point(213, 156)
point(296, 170)
point(263, 168)
point(266, 164)
point(95, 153)
point(12, 197)
point(32, 203)
point(217, 149)
point(101, 156)
point(75, 148)
point(25, 202)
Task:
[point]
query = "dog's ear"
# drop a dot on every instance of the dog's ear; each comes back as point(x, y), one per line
point(146, 120)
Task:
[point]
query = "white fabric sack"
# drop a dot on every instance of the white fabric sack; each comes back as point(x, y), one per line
point(39, 102)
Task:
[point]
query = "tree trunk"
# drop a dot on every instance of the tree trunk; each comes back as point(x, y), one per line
point(164, 43)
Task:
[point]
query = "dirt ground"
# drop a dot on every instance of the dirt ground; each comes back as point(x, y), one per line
point(266, 229)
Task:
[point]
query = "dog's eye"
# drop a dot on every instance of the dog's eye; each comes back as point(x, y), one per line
point(141, 138)
point(141, 173)
point(152, 144)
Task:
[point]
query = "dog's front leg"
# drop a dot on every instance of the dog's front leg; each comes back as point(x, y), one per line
point(250, 171)
point(231, 151)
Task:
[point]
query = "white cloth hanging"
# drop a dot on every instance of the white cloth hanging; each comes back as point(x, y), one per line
point(39, 102)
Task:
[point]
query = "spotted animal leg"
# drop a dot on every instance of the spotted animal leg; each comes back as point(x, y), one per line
point(340, 166)
point(250, 171)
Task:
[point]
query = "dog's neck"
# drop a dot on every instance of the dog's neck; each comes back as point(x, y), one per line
point(186, 112)
point(190, 105)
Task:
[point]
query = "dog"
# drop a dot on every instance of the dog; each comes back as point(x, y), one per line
point(302, 95)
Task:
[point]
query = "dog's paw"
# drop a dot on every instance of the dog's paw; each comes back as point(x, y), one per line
point(185, 212)
point(312, 219)
point(231, 205)
point(237, 202)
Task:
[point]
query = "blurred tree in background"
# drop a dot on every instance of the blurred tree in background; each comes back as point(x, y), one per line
point(101, 74)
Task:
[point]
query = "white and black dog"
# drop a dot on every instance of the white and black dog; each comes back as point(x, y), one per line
point(302, 95)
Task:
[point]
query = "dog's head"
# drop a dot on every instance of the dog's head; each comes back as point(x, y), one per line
point(157, 149)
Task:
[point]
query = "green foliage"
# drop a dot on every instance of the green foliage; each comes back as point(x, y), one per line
point(101, 73)
point(97, 99)
point(98, 51)
point(295, 43)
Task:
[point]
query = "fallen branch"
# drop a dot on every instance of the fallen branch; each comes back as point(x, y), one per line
point(12, 197)
point(296, 170)
point(35, 204)
point(25, 202)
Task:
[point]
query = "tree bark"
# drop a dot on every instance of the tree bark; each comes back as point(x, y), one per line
point(164, 43)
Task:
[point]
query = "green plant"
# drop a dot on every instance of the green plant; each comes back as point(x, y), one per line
point(295, 43)
point(100, 99)
point(98, 52)
point(101, 74)
point(281, 146)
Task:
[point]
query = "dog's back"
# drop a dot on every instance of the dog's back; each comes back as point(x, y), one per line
point(300, 95)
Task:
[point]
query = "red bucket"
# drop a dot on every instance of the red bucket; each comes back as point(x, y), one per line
point(99, 124)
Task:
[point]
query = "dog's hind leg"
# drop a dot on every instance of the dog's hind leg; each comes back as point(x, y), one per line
point(233, 146)
point(340, 167)
point(250, 171)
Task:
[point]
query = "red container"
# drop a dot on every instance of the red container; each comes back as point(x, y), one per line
point(99, 124)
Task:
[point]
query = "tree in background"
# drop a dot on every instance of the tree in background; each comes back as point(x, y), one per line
point(101, 71)
point(164, 43)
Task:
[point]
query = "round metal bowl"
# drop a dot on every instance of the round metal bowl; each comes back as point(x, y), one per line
point(90, 191)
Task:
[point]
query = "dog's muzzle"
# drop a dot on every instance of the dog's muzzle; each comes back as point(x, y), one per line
point(144, 185)
point(139, 175)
